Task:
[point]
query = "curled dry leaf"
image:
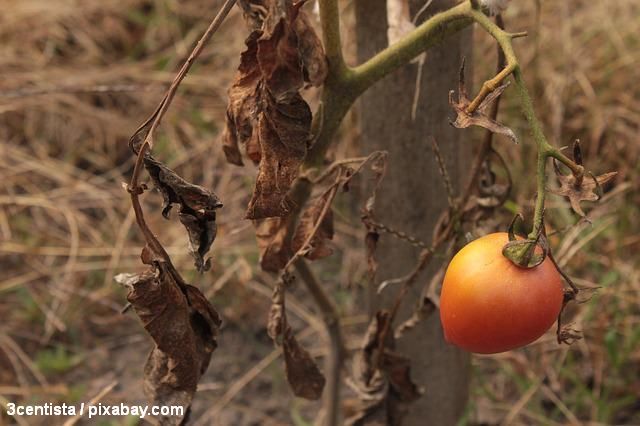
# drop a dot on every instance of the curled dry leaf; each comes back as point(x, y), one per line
point(283, 133)
point(183, 326)
point(302, 372)
point(479, 117)
point(318, 246)
point(304, 376)
point(275, 250)
point(196, 211)
point(585, 188)
point(382, 381)
point(271, 234)
point(266, 113)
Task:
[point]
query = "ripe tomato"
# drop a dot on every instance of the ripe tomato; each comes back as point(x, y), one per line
point(490, 305)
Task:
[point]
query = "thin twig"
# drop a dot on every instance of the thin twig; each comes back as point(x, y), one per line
point(134, 188)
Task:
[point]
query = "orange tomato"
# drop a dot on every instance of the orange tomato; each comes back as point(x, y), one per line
point(490, 305)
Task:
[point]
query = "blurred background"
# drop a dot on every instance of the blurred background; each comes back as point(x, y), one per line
point(78, 77)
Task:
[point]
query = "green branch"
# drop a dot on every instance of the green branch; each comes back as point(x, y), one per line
point(330, 21)
point(431, 32)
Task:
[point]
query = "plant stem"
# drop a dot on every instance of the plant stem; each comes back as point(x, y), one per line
point(335, 357)
point(432, 31)
point(330, 21)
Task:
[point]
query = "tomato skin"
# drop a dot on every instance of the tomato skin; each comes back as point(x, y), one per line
point(489, 305)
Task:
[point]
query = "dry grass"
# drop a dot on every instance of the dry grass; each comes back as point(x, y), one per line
point(77, 77)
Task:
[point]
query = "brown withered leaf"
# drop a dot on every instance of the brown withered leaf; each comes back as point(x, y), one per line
point(302, 372)
point(271, 236)
point(278, 56)
point(277, 321)
point(183, 326)
point(479, 117)
point(304, 376)
point(266, 113)
point(314, 61)
point(586, 190)
point(254, 12)
point(196, 208)
point(242, 110)
point(283, 133)
point(382, 381)
point(318, 246)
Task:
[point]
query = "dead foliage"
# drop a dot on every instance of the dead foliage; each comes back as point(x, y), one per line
point(266, 113)
point(381, 378)
point(183, 326)
point(302, 372)
point(480, 116)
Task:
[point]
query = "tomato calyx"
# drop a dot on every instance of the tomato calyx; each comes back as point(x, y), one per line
point(522, 251)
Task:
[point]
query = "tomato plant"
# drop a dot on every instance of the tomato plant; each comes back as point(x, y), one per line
point(490, 305)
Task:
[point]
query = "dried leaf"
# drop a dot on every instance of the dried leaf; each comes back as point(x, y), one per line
point(183, 326)
point(585, 190)
point(479, 117)
point(302, 372)
point(318, 247)
point(314, 61)
point(242, 109)
point(283, 133)
point(266, 113)
point(277, 319)
point(271, 234)
point(382, 381)
point(197, 208)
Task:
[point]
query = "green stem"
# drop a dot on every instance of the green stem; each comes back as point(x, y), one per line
point(433, 31)
point(330, 21)
point(545, 150)
point(344, 84)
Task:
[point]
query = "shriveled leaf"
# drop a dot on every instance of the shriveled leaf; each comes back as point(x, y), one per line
point(585, 190)
point(382, 378)
point(242, 110)
point(271, 235)
point(398, 369)
point(183, 326)
point(266, 113)
point(283, 133)
point(277, 321)
point(314, 61)
point(278, 56)
point(254, 12)
point(480, 117)
point(318, 246)
point(302, 372)
point(196, 208)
